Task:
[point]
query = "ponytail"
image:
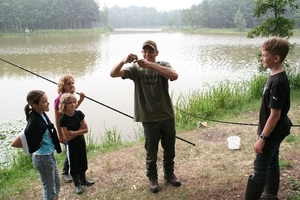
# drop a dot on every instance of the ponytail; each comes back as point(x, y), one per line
point(27, 111)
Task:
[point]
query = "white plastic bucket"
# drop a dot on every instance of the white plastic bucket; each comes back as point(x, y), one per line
point(234, 142)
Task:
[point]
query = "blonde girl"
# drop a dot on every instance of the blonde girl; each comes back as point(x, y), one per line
point(73, 126)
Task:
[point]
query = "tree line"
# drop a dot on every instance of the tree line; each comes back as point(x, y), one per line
point(16, 15)
point(207, 14)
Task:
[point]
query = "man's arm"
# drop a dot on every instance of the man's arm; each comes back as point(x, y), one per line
point(167, 72)
point(117, 69)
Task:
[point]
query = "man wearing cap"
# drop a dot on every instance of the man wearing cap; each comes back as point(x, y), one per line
point(153, 108)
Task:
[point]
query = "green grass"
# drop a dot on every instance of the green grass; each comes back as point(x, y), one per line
point(294, 190)
point(224, 99)
point(219, 101)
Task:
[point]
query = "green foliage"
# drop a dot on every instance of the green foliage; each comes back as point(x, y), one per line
point(8, 131)
point(285, 165)
point(225, 96)
point(256, 85)
point(294, 78)
point(294, 189)
point(17, 15)
point(19, 168)
point(290, 139)
point(278, 25)
point(239, 21)
point(217, 99)
point(111, 138)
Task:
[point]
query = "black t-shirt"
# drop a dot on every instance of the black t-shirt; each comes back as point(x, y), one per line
point(276, 95)
point(72, 122)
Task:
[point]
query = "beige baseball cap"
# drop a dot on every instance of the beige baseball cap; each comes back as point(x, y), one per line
point(150, 43)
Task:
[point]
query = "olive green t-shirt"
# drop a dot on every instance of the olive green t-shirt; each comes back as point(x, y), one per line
point(152, 101)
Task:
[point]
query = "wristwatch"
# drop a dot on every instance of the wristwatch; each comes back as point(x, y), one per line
point(262, 137)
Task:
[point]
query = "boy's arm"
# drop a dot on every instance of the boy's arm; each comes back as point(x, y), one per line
point(270, 124)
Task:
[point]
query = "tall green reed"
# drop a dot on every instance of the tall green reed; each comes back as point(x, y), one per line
point(217, 99)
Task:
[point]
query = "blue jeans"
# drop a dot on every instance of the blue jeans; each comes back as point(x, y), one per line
point(268, 160)
point(47, 167)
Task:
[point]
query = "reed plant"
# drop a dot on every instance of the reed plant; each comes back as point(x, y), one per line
point(111, 137)
point(217, 99)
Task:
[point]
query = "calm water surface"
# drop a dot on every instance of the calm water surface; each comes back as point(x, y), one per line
point(200, 60)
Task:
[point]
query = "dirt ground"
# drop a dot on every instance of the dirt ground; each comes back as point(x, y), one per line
point(208, 170)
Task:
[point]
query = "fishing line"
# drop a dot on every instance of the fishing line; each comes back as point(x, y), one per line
point(85, 96)
point(213, 120)
point(224, 122)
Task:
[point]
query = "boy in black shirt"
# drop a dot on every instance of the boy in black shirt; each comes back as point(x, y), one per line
point(274, 124)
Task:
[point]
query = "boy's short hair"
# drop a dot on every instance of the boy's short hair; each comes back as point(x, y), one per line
point(64, 99)
point(277, 46)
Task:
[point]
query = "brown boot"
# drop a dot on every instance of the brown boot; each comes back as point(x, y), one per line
point(78, 188)
point(83, 180)
point(173, 179)
point(271, 186)
point(154, 186)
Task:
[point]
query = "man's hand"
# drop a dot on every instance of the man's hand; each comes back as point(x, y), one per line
point(143, 63)
point(130, 58)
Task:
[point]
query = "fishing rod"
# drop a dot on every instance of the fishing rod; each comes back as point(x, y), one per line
point(85, 96)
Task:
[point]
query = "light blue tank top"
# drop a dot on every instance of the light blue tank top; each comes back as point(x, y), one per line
point(47, 146)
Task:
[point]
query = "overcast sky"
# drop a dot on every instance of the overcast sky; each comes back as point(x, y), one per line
point(160, 5)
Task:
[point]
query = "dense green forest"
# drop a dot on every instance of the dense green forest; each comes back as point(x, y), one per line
point(207, 14)
point(17, 15)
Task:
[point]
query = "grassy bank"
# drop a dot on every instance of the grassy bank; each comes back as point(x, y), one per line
point(208, 170)
point(218, 31)
point(58, 32)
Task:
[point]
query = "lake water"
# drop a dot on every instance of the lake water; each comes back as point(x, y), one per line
point(201, 60)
